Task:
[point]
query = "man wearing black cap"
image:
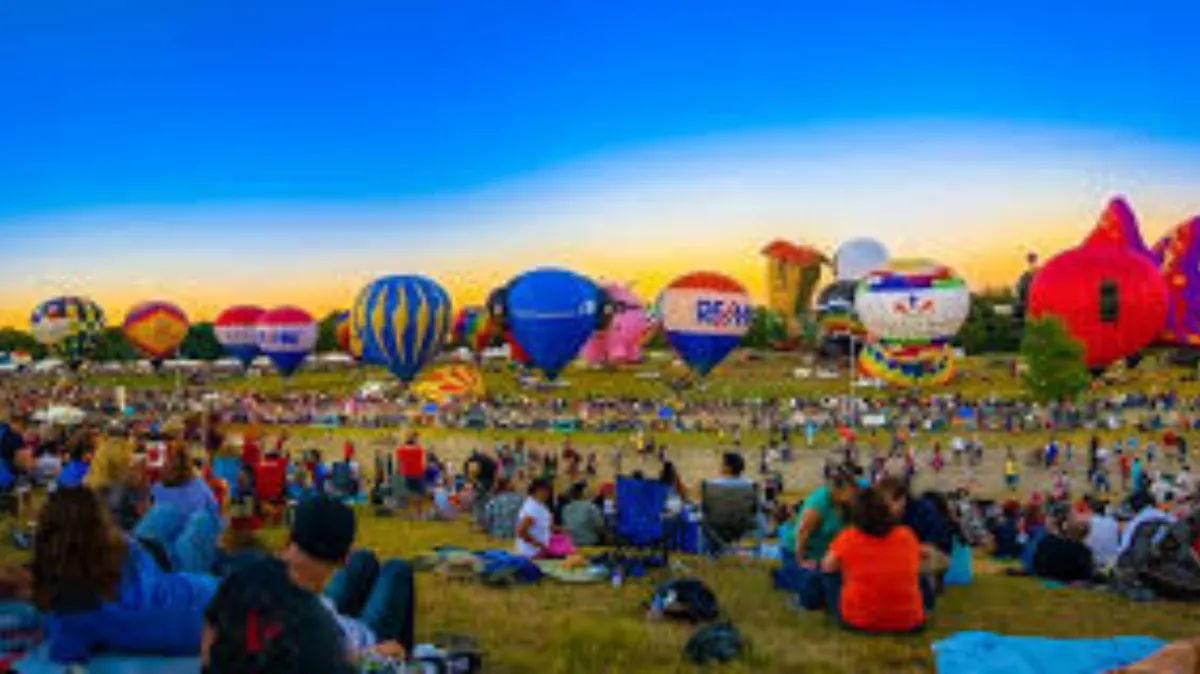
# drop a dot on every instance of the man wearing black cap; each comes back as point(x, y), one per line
point(371, 604)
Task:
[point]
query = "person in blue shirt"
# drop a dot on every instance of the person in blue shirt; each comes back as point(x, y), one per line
point(185, 518)
point(99, 589)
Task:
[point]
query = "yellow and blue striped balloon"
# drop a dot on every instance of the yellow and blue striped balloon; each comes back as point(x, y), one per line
point(402, 322)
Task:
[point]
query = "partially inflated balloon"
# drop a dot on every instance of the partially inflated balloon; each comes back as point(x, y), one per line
point(472, 328)
point(854, 259)
point(402, 321)
point(341, 332)
point(237, 331)
point(552, 313)
point(69, 326)
point(287, 335)
point(620, 342)
point(705, 315)
point(156, 329)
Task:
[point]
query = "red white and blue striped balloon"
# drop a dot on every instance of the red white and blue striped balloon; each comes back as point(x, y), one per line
point(287, 335)
point(237, 331)
point(705, 315)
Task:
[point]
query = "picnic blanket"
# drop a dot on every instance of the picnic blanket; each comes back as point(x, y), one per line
point(38, 662)
point(986, 653)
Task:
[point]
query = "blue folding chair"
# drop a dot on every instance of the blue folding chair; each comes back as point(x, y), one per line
point(640, 524)
point(229, 469)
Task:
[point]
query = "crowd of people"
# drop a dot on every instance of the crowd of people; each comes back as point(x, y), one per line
point(143, 540)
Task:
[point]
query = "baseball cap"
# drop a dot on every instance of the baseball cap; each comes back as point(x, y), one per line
point(324, 528)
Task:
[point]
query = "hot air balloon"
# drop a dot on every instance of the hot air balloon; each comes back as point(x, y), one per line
point(68, 326)
point(402, 321)
point(286, 335)
point(705, 315)
point(551, 313)
point(472, 329)
point(621, 342)
point(837, 321)
point(1108, 292)
point(911, 309)
point(341, 332)
point(237, 331)
point(856, 257)
point(156, 329)
point(450, 383)
point(1178, 257)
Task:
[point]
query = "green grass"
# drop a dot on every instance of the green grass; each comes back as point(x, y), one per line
point(568, 628)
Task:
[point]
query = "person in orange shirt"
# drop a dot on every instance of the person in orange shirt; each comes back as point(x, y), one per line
point(879, 589)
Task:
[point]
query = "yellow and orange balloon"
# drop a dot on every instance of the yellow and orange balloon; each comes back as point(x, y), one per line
point(450, 383)
point(156, 329)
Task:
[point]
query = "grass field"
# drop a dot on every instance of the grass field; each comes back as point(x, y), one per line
point(561, 628)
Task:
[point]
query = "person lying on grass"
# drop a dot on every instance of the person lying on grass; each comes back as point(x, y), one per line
point(372, 604)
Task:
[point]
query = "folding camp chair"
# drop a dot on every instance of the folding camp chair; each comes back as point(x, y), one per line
point(640, 523)
point(730, 513)
point(270, 487)
point(344, 484)
point(228, 469)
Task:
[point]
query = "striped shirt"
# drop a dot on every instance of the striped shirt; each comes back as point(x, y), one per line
point(356, 635)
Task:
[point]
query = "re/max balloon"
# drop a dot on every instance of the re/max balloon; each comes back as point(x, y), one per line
point(237, 331)
point(402, 321)
point(552, 313)
point(156, 329)
point(705, 315)
point(286, 335)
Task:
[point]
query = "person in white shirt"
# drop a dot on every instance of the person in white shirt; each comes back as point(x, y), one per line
point(1103, 539)
point(534, 521)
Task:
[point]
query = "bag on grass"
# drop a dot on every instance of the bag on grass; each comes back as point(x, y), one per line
point(714, 644)
point(685, 599)
point(959, 574)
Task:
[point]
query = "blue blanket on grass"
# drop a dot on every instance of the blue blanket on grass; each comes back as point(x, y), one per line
point(986, 653)
point(38, 662)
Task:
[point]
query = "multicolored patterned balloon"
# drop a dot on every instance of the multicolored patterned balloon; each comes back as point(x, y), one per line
point(403, 321)
point(286, 335)
point(911, 309)
point(68, 326)
point(341, 332)
point(156, 329)
point(472, 328)
point(237, 331)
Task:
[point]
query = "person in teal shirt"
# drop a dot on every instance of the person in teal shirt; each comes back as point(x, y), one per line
point(804, 542)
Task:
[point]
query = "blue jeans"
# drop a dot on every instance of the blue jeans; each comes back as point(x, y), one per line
point(381, 597)
point(190, 541)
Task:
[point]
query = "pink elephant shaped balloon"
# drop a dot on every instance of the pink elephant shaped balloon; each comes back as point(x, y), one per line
point(621, 342)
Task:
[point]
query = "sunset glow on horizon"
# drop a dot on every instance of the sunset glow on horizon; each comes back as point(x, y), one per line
point(168, 153)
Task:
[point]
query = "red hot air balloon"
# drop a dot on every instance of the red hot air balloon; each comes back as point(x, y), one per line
point(1108, 291)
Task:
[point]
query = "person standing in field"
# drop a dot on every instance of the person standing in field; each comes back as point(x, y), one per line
point(1012, 471)
point(410, 462)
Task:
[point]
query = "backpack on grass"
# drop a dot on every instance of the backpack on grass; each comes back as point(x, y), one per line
point(686, 599)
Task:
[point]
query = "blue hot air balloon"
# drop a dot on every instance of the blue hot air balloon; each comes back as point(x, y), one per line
point(552, 313)
point(400, 322)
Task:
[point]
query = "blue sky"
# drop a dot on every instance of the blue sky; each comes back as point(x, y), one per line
point(187, 115)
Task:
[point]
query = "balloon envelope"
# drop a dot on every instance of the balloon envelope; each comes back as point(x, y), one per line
point(472, 328)
point(236, 329)
point(913, 302)
point(286, 335)
point(705, 315)
point(402, 321)
point(552, 313)
point(856, 257)
point(621, 341)
point(341, 332)
point(1110, 298)
point(156, 329)
point(69, 326)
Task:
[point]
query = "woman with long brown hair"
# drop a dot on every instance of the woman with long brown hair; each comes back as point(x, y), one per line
point(100, 589)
